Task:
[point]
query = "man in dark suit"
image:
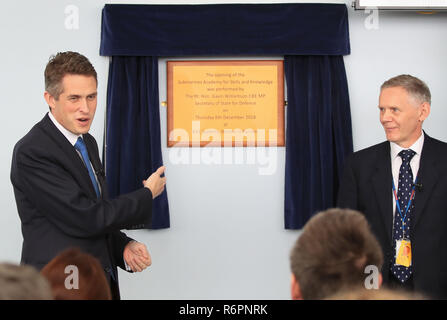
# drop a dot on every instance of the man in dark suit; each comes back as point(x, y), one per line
point(401, 187)
point(59, 182)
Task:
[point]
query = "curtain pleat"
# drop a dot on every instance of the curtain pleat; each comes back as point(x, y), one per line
point(318, 135)
point(133, 145)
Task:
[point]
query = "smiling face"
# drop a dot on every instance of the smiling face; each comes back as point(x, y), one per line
point(76, 105)
point(401, 115)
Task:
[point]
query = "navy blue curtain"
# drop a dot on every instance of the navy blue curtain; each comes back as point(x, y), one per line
point(224, 29)
point(314, 37)
point(318, 134)
point(133, 149)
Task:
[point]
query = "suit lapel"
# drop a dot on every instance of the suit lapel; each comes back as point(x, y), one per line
point(427, 177)
point(74, 162)
point(382, 182)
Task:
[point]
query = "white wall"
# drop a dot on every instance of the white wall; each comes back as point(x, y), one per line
point(405, 42)
point(226, 239)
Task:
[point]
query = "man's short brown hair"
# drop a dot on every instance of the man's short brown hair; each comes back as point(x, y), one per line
point(415, 87)
point(332, 252)
point(62, 64)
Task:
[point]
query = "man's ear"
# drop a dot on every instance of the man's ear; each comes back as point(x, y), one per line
point(49, 99)
point(380, 280)
point(295, 291)
point(425, 111)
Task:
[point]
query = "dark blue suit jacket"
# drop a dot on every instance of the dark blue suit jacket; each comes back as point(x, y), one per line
point(366, 186)
point(58, 206)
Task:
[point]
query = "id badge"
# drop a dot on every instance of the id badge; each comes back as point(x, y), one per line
point(403, 249)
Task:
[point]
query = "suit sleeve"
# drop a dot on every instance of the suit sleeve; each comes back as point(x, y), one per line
point(55, 193)
point(347, 194)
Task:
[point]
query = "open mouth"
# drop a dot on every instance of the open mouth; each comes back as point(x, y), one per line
point(83, 121)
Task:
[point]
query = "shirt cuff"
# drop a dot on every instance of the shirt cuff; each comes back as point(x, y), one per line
point(129, 269)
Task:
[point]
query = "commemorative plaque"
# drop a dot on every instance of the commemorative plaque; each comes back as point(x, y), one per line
point(225, 103)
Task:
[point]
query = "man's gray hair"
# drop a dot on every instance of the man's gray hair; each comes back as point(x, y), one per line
point(415, 87)
point(22, 282)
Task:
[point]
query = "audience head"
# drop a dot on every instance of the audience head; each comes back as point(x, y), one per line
point(381, 294)
point(75, 275)
point(332, 253)
point(22, 282)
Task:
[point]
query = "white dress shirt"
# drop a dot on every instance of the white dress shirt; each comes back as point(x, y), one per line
point(396, 161)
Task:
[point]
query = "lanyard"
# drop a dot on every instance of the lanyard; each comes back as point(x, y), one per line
point(404, 217)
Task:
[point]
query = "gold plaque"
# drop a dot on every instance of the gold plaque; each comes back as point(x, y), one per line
point(225, 103)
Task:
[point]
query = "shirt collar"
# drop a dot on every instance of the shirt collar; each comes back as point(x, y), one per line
point(71, 137)
point(416, 147)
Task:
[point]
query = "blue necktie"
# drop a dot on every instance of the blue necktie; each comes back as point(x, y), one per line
point(403, 194)
point(80, 146)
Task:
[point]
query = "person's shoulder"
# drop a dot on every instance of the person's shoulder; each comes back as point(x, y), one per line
point(35, 138)
point(370, 152)
point(435, 150)
point(435, 142)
